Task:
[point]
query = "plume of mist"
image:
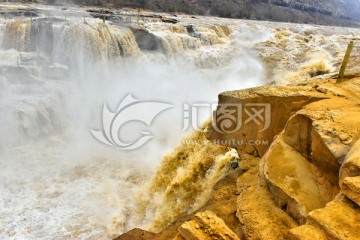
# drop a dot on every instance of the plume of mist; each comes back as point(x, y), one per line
point(55, 178)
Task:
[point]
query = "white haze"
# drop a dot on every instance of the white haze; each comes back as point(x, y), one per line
point(56, 180)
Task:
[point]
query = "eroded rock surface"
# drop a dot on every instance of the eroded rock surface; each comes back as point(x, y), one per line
point(275, 105)
point(136, 234)
point(206, 226)
point(296, 184)
point(304, 184)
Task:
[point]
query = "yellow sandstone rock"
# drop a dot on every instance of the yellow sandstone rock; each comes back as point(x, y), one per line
point(297, 185)
point(303, 185)
point(274, 106)
point(206, 226)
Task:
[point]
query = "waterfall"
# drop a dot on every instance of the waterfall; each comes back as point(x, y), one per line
point(184, 179)
point(70, 43)
point(55, 76)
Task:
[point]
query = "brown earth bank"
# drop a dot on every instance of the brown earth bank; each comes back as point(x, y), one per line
point(324, 12)
point(303, 184)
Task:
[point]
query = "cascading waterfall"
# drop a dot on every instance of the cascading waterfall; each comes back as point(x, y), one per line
point(56, 180)
point(17, 35)
point(184, 180)
point(96, 42)
point(70, 43)
point(177, 39)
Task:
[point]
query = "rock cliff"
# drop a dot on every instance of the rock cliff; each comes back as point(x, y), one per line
point(303, 184)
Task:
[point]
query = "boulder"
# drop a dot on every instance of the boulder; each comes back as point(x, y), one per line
point(351, 166)
point(248, 120)
point(323, 133)
point(169, 20)
point(206, 226)
point(350, 174)
point(307, 232)
point(340, 219)
point(147, 41)
point(351, 188)
point(259, 216)
point(297, 185)
point(136, 234)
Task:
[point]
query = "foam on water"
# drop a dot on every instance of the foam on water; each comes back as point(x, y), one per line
point(58, 181)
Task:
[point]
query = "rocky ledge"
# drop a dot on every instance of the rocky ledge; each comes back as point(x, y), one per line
point(299, 177)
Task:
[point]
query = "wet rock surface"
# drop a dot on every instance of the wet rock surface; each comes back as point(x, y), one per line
point(147, 41)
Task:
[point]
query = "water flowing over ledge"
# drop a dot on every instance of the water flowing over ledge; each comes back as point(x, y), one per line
point(57, 71)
